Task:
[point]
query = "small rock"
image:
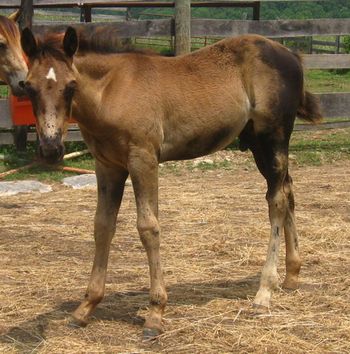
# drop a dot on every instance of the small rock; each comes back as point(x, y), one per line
point(81, 181)
point(208, 161)
point(15, 187)
point(203, 161)
point(84, 181)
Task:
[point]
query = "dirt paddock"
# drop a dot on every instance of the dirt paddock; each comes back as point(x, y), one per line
point(214, 240)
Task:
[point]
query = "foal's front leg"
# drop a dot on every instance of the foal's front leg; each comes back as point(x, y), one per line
point(143, 168)
point(110, 184)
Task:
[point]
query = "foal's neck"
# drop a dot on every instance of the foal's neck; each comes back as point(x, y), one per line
point(91, 72)
point(92, 66)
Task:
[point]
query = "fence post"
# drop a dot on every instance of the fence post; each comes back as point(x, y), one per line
point(182, 26)
point(337, 44)
point(85, 14)
point(256, 10)
point(25, 20)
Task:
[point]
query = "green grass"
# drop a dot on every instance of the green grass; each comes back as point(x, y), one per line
point(320, 81)
point(39, 172)
point(4, 90)
point(320, 147)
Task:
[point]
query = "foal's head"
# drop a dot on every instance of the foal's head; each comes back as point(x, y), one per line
point(13, 68)
point(50, 85)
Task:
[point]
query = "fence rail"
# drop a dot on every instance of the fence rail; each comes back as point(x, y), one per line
point(223, 28)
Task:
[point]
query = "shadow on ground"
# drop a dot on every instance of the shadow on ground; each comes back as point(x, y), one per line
point(123, 307)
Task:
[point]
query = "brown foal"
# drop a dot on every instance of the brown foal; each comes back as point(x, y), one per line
point(136, 110)
point(13, 68)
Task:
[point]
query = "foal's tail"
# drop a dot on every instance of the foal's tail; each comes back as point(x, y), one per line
point(309, 108)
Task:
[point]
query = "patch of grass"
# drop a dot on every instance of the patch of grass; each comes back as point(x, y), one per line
point(215, 165)
point(4, 91)
point(320, 147)
point(46, 173)
point(327, 80)
point(13, 160)
point(41, 173)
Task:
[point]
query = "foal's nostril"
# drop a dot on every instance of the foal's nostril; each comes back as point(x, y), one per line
point(21, 84)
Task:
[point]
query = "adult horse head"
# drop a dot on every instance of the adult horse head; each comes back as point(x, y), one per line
point(13, 68)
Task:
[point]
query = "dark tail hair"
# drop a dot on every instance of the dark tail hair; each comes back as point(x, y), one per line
point(309, 108)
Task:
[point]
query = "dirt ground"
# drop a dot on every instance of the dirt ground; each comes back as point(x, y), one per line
point(214, 240)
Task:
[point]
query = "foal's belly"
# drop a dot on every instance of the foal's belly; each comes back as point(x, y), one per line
point(190, 141)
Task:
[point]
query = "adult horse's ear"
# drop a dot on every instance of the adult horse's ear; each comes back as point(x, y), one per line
point(14, 16)
point(28, 43)
point(70, 41)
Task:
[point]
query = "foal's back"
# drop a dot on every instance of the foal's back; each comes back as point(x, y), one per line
point(195, 104)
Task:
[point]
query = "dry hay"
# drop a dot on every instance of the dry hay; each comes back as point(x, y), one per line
point(214, 241)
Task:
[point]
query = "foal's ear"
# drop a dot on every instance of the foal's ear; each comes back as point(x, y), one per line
point(28, 43)
point(70, 41)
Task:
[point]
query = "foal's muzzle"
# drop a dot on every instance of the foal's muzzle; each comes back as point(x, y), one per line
point(51, 150)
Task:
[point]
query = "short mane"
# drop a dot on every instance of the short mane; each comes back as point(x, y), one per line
point(51, 44)
point(99, 40)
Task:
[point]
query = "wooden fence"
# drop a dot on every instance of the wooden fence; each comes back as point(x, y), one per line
point(335, 105)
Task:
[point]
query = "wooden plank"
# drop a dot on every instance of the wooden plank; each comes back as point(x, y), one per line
point(326, 61)
point(7, 138)
point(273, 29)
point(149, 3)
point(335, 104)
point(224, 28)
point(323, 126)
point(125, 29)
point(5, 115)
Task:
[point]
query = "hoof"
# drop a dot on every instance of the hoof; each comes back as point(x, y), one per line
point(290, 284)
point(262, 298)
point(150, 334)
point(260, 309)
point(74, 322)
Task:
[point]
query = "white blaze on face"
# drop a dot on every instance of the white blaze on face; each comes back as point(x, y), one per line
point(50, 120)
point(51, 75)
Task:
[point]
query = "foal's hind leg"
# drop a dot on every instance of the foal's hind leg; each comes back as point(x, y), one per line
point(110, 192)
point(271, 156)
point(143, 168)
point(293, 262)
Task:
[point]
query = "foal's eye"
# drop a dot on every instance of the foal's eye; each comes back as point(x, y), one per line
point(69, 89)
point(31, 91)
point(2, 45)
